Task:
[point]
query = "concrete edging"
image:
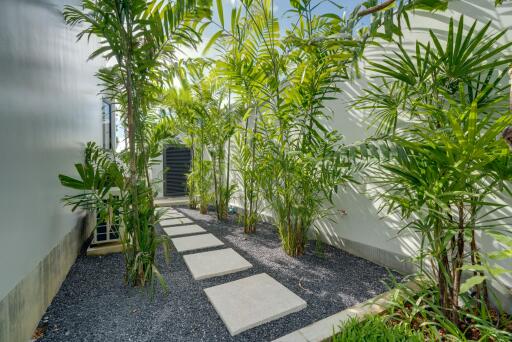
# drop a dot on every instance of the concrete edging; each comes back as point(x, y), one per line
point(323, 329)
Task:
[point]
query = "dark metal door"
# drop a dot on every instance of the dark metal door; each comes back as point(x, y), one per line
point(177, 161)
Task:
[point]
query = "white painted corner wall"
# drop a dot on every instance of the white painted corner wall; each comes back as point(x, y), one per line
point(49, 109)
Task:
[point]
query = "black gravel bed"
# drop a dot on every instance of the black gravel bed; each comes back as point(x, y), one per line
point(94, 303)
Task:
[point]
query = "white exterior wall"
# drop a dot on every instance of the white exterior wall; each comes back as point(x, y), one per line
point(49, 108)
point(157, 176)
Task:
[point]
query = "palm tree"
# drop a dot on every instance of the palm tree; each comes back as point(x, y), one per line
point(452, 104)
point(140, 38)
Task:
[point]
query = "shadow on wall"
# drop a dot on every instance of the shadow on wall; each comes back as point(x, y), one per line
point(47, 5)
point(362, 231)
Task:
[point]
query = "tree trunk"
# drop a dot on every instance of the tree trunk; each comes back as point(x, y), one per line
point(444, 288)
point(510, 81)
point(133, 179)
point(228, 191)
point(457, 264)
point(215, 186)
point(441, 256)
point(253, 199)
point(481, 290)
point(203, 205)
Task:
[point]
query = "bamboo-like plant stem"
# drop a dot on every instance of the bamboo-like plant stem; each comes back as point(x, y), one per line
point(481, 289)
point(457, 263)
point(510, 91)
point(228, 192)
point(131, 118)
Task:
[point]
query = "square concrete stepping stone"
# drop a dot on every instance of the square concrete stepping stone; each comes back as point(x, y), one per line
point(172, 215)
point(166, 208)
point(246, 303)
point(168, 211)
point(215, 263)
point(175, 221)
point(184, 230)
point(190, 243)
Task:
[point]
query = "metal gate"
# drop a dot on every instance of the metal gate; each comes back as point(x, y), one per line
point(177, 161)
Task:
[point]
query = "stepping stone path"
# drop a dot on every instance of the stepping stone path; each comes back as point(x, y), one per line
point(167, 213)
point(175, 221)
point(184, 230)
point(215, 263)
point(241, 304)
point(248, 302)
point(172, 215)
point(167, 210)
point(191, 243)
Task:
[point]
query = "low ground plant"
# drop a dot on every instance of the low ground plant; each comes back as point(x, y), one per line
point(420, 311)
point(100, 173)
point(375, 329)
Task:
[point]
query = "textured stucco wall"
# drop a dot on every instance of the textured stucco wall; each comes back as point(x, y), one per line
point(49, 108)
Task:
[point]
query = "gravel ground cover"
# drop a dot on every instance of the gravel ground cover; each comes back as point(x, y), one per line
point(94, 304)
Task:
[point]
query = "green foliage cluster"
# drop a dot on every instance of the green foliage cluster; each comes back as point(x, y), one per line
point(419, 309)
point(206, 116)
point(286, 157)
point(289, 160)
point(375, 329)
point(438, 111)
point(259, 113)
point(100, 174)
point(140, 39)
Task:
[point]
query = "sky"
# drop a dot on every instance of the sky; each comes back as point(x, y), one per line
point(280, 9)
point(281, 6)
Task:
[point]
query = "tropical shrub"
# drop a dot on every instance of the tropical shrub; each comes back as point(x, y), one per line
point(247, 164)
point(188, 115)
point(238, 70)
point(283, 83)
point(419, 310)
point(101, 172)
point(440, 110)
point(140, 39)
point(206, 114)
point(220, 124)
point(199, 182)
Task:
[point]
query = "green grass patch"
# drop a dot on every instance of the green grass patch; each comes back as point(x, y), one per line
point(375, 328)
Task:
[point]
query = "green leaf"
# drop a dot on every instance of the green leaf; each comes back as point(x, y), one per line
point(501, 255)
point(471, 282)
point(212, 41)
point(220, 12)
point(502, 238)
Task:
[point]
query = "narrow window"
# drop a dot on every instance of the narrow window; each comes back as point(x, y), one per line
point(108, 125)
